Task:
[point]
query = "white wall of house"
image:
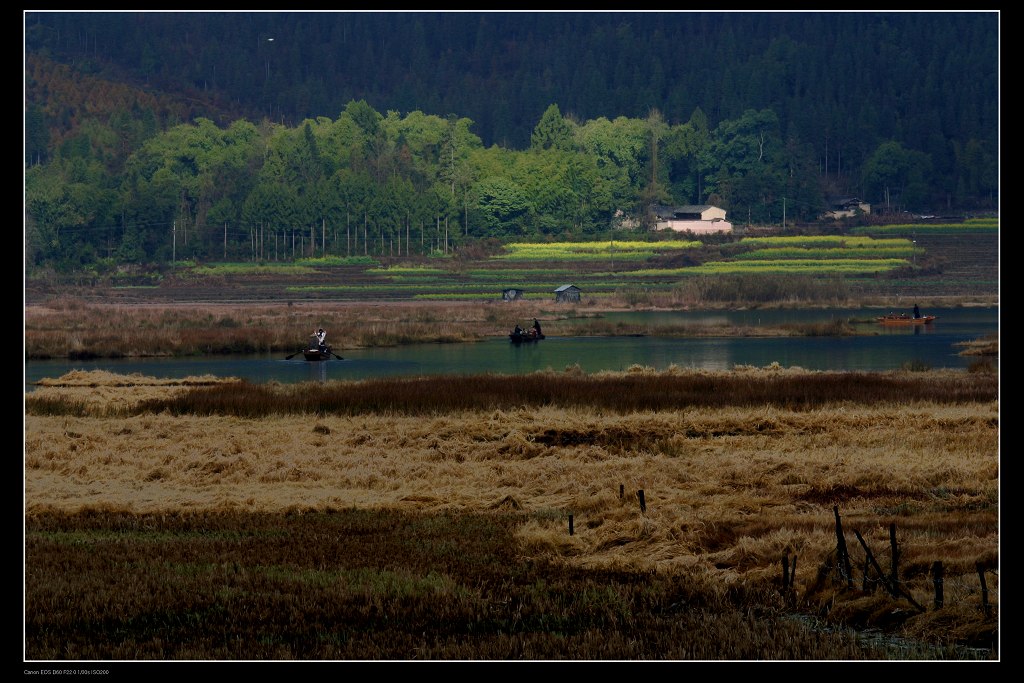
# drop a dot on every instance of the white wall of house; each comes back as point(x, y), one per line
point(711, 213)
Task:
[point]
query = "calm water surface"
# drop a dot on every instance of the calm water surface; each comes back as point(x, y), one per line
point(880, 348)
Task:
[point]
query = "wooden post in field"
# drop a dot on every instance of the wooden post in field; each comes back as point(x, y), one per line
point(844, 557)
point(894, 554)
point(622, 491)
point(869, 561)
point(937, 581)
point(984, 588)
point(789, 579)
point(643, 502)
point(570, 525)
point(792, 582)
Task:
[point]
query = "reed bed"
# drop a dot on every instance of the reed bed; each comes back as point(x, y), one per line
point(640, 389)
point(197, 525)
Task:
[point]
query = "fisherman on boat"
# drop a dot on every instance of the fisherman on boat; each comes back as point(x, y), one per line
point(321, 339)
point(917, 312)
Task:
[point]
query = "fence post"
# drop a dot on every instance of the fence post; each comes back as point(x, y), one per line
point(570, 525)
point(937, 581)
point(844, 557)
point(984, 588)
point(643, 502)
point(895, 554)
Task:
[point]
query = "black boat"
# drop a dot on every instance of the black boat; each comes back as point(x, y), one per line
point(318, 353)
point(315, 351)
point(521, 336)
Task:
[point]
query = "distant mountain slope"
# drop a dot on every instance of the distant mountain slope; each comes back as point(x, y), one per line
point(68, 96)
point(843, 81)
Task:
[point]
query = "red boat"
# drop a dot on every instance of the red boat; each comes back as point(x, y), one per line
point(904, 319)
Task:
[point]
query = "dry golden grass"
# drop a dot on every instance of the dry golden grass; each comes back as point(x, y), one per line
point(730, 490)
point(100, 391)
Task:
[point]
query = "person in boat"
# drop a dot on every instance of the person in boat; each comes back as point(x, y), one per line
point(321, 339)
point(518, 330)
point(917, 312)
point(536, 327)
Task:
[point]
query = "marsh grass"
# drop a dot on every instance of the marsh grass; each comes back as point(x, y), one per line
point(371, 585)
point(613, 392)
point(640, 389)
point(224, 522)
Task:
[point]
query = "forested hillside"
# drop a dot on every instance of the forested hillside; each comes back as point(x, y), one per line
point(161, 135)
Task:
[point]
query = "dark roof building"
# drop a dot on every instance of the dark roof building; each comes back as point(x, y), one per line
point(567, 293)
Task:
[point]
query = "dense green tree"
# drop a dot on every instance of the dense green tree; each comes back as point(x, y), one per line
point(746, 166)
point(684, 155)
point(552, 131)
point(72, 222)
point(421, 138)
point(978, 176)
point(619, 149)
point(503, 207)
point(802, 195)
point(894, 176)
point(656, 190)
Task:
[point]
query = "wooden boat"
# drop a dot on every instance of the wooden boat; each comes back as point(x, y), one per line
point(317, 353)
point(894, 319)
point(524, 336)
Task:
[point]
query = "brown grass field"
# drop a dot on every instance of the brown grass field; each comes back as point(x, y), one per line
point(213, 520)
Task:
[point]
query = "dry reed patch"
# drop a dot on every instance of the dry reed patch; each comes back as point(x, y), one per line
point(100, 392)
point(986, 346)
point(729, 491)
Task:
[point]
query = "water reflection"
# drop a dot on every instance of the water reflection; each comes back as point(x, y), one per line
point(317, 371)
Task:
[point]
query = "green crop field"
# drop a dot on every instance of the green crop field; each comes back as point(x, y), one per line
point(937, 260)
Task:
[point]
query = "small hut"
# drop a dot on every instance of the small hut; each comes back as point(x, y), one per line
point(568, 293)
point(511, 294)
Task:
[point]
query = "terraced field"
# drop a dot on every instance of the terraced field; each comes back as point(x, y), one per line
point(952, 266)
point(955, 266)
